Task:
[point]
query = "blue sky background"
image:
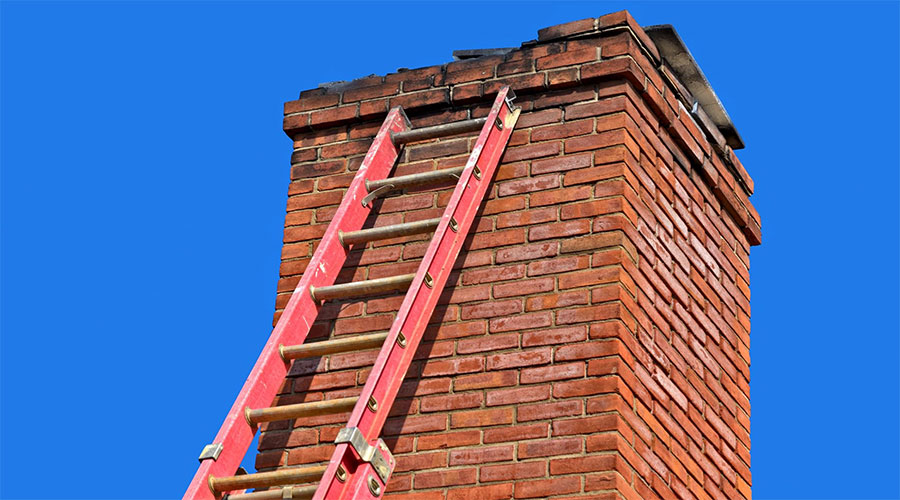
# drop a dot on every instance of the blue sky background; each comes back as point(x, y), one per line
point(143, 184)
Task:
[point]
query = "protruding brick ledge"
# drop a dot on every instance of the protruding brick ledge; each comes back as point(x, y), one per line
point(566, 56)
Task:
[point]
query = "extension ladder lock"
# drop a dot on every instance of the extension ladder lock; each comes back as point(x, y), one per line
point(361, 464)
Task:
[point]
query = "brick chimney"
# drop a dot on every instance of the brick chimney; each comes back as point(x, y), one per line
point(594, 338)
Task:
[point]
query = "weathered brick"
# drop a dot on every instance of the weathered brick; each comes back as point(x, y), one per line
point(481, 418)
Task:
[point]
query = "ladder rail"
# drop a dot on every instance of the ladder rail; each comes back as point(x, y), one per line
point(269, 371)
point(383, 383)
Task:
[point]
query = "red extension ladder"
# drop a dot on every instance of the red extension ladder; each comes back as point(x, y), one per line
point(361, 464)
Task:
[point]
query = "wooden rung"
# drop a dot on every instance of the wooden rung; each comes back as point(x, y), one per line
point(333, 346)
point(362, 288)
point(292, 492)
point(281, 477)
point(313, 409)
point(416, 180)
point(385, 232)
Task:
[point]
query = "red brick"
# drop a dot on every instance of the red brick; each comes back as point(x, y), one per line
point(481, 418)
point(546, 487)
point(547, 411)
point(513, 67)
point(562, 130)
point(552, 372)
point(493, 274)
point(420, 461)
point(524, 287)
point(441, 478)
point(536, 118)
point(490, 343)
point(311, 102)
point(492, 492)
point(517, 395)
point(522, 83)
point(568, 58)
point(517, 359)
point(485, 380)
point(452, 366)
point(557, 300)
point(520, 322)
point(447, 440)
point(528, 185)
point(531, 151)
point(561, 163)
point(525, 252)
point(341, 114)
point(559, 196)
point(371, 92)
point(515, 433)
point(421, 99)
point(491, 309)
point(557, 265)
point(585, 425)
point(481, 455)
point(550, 447)
point(557, 230)
point(556, 336)
point(457, 330)
point(566, 29)
point(409, 425)
point(451, 402)
point(511, 472)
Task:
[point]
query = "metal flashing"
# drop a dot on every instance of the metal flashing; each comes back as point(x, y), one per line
point(460, 55)
point(677, 56)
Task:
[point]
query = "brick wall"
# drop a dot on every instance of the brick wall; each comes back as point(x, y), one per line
point(593, 341)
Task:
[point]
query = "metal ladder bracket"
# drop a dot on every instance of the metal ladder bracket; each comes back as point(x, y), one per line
point(211, 451)
point(378, 455)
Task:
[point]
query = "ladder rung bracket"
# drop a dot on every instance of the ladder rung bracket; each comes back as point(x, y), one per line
point(357, 289)
point(443, 130)
point(281, 477)
point(387, 232)
point(376, 454)
point(393, 361)
point(333, 346)
point(421, 179)
point(287, 492)
point(300, 313)
point(299, 410)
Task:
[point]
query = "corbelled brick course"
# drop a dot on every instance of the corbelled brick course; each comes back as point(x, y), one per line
point(593, 340)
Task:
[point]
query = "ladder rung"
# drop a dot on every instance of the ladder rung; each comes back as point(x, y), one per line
point(333, 346)
point(296, 493)
point(313, 409)
point(266, 479)
point(425, 133)
point(385, 232)
point(362, 288)
point(415, 180)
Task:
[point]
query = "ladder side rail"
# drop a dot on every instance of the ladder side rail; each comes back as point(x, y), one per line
point(267, 375)
point(393, 361)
